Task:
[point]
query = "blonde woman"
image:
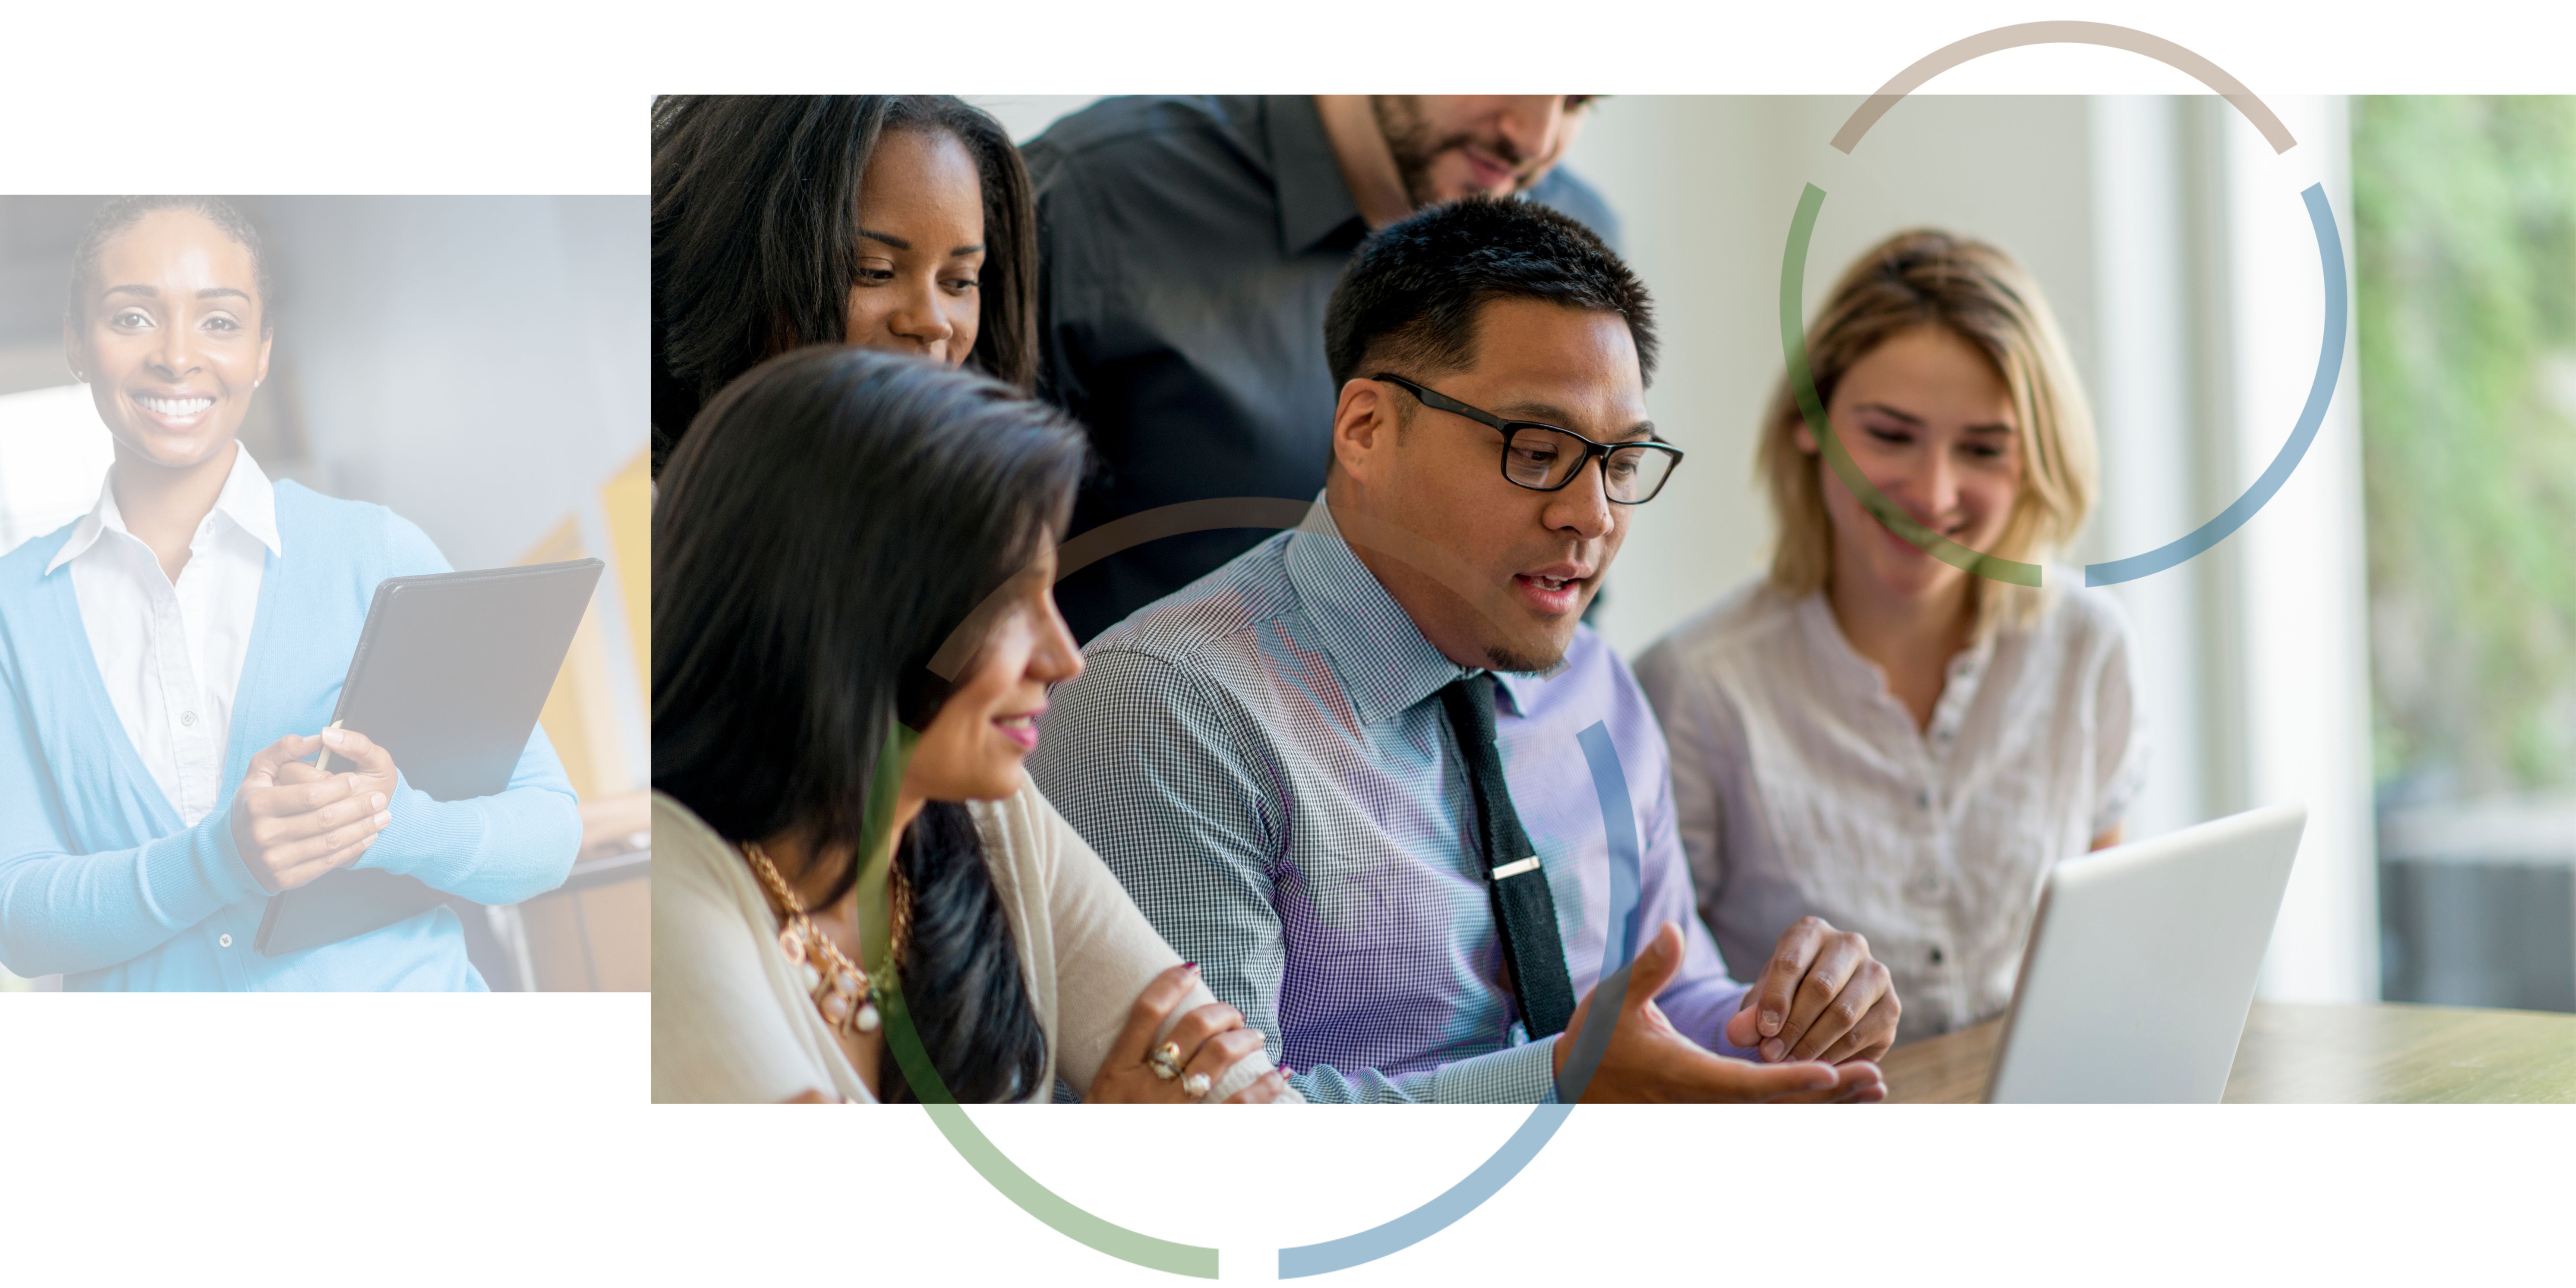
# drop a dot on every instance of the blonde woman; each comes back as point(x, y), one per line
point(1868, 733)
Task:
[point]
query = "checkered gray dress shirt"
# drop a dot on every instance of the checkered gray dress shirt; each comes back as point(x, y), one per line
point(1263, 761)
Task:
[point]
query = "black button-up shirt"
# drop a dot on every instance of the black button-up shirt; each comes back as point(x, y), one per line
point(1186, 249)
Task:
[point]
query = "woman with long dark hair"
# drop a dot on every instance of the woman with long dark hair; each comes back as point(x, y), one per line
point(900, 222)
point(853, 638)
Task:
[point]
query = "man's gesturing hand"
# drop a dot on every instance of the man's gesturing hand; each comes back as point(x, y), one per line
point(293, 823)
point(1821, 997)
point(1648, 1060)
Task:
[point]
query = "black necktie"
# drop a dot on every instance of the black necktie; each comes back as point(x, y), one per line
point(1524, 908)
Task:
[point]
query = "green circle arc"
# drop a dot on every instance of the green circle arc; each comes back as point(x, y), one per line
point(1793, 345)
point(1618, 953)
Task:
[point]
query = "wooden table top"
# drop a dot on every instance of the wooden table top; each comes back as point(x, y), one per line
point(2370, 1053)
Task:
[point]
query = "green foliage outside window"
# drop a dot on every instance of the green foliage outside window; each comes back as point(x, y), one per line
point(2465, 247)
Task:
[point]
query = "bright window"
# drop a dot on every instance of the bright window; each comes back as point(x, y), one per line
point(2465, 220)
point(53, 455)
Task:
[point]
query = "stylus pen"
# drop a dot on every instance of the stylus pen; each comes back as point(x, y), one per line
point(323, 761)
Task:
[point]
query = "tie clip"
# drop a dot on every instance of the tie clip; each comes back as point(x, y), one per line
point(1529, 864)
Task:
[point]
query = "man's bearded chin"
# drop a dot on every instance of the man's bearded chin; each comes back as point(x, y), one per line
point(1409, 141)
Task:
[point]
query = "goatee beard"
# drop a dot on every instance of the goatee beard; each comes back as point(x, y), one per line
point(1408, 139)
point(1503, 659)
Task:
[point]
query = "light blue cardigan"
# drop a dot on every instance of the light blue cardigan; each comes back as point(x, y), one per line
point(99, 882)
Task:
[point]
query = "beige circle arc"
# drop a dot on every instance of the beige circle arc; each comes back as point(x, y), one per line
point(2104, 34)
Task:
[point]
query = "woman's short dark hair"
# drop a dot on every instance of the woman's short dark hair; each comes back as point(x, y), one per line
point(831, 518)
point(1410, 295)
point(122, 213)
point(755, 235)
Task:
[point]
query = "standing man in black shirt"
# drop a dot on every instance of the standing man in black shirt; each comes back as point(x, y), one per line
point(1186, 248)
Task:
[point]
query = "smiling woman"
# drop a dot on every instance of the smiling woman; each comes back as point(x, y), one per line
point(832, 817)
point(1870, 734)
point(900, 222)
point(168, 662)
point(166, 326)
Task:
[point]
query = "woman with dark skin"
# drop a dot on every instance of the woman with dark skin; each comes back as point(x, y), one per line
point(168, 664)
point(896, 222)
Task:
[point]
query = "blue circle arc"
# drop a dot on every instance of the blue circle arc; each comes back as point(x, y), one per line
point(1619, 946)
point(2320, 394)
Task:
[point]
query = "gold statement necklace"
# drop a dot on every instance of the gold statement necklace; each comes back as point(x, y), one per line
point(840, 989)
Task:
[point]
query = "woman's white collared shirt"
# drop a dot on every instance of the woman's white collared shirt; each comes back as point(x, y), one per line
point(1803, 786)
point(170, 653)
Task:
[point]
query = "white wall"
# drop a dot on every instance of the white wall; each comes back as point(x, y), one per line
point(1024, 115)
point(477, 364)
point(2145, 383)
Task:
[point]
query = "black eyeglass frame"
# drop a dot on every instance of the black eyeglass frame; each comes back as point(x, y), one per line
point(1591, 450)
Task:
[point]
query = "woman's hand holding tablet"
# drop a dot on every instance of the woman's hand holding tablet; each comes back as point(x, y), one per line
point(292, 822)
point(358, 755)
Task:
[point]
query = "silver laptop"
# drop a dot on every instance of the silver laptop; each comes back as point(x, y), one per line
point(2141, 965)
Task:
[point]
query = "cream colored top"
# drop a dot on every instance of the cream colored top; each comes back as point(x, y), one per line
point(1801, 785)
point(732, 1024)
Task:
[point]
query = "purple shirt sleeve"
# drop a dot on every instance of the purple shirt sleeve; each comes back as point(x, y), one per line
point(1701, 996)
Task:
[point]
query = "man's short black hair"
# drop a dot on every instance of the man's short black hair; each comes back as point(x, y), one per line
point(1410, 295)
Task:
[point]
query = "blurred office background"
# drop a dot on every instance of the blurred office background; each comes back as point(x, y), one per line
point(477, 364)
point(2393, 639)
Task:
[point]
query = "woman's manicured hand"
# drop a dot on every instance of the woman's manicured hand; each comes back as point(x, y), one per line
point(353, 752)
point(293, 822)
point(1210, 1039)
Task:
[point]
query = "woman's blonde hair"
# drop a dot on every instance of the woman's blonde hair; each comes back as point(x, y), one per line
point(1981, 295)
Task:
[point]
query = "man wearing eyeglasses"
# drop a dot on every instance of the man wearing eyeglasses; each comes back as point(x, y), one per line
point(1187, 245)
point(1346, 772)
